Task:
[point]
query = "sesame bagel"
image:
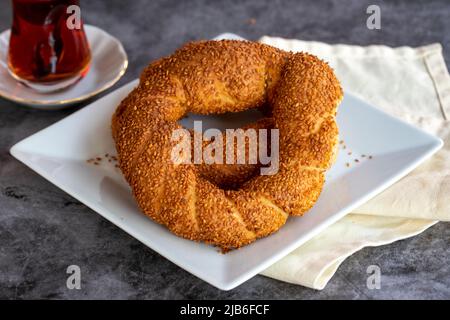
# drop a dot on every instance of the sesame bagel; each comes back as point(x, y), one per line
point(300, 94)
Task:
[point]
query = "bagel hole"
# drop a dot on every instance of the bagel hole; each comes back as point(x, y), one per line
point(229, 120)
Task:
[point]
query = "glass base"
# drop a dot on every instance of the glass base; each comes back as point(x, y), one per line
point(47, 87)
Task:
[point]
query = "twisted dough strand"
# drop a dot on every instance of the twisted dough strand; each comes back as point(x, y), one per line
point(228, 76)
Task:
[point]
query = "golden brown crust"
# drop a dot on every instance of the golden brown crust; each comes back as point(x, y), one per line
point(207, 77)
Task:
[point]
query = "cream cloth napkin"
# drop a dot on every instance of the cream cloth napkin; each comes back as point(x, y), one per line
point(412, 84)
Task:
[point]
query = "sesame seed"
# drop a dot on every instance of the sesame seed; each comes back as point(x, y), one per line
point(251, 21)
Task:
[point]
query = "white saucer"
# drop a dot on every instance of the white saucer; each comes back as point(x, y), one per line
point(109, 63)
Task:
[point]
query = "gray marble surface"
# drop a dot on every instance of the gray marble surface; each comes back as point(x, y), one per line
point(43, 230)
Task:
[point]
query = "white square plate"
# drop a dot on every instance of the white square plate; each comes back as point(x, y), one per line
point(59, 154)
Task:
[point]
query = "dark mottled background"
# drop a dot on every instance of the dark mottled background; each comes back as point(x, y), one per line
point(43, 230)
